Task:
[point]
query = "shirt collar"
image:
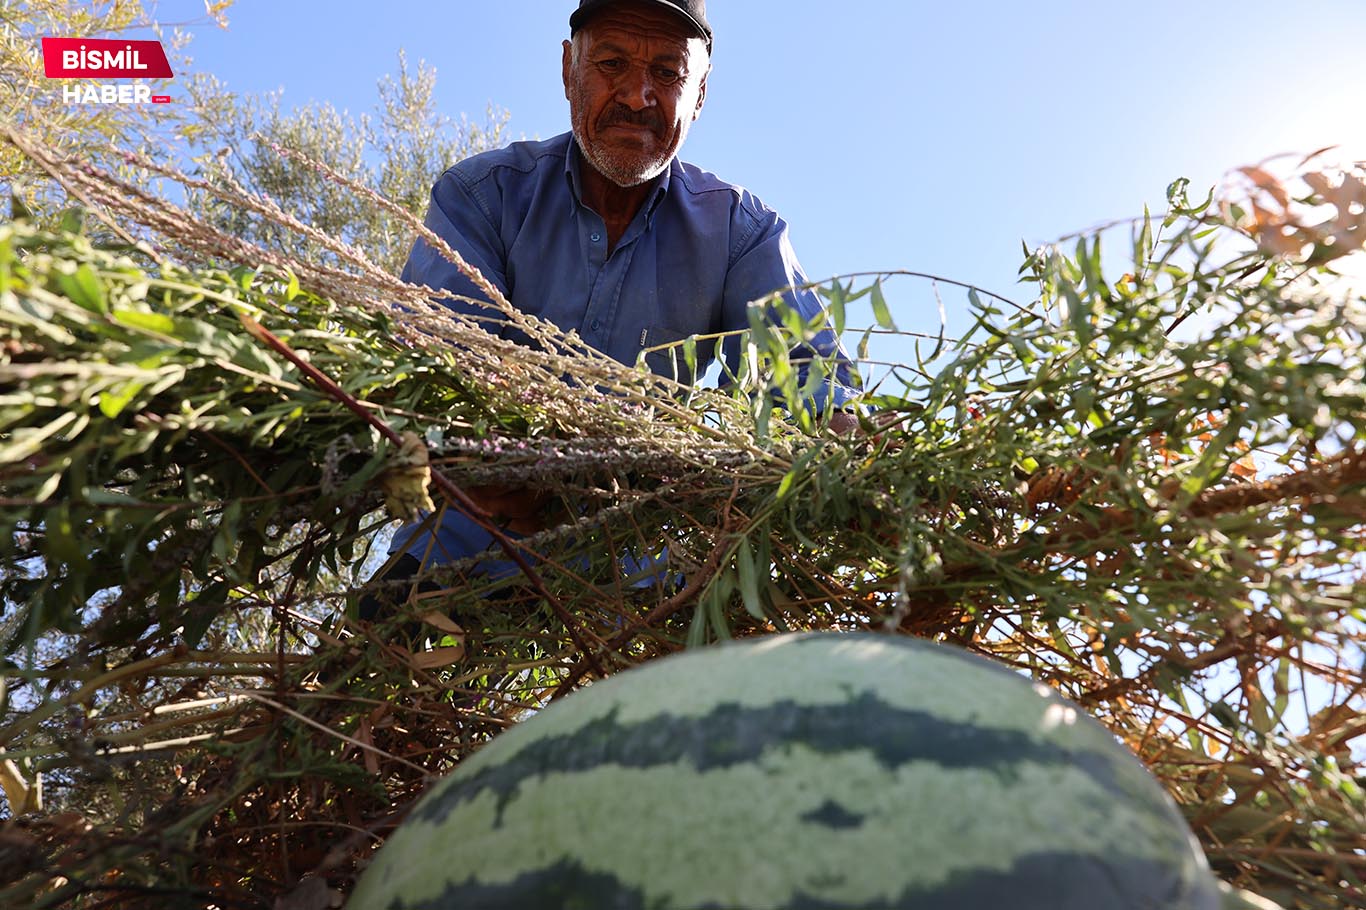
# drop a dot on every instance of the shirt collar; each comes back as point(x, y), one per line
point(573, 160)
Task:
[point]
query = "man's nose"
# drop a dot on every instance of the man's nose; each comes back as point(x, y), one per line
point(636, 89)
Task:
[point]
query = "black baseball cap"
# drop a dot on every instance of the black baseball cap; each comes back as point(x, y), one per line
point(695, 11)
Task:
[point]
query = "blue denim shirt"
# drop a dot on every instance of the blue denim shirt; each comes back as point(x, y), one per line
point(696, 254)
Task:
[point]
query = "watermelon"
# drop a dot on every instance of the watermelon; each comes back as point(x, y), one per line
point(803, 771)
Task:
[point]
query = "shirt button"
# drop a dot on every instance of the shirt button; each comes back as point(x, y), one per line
point(595, 237)
point(596, 324)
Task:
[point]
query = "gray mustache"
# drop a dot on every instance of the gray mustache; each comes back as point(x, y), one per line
point(624, 116)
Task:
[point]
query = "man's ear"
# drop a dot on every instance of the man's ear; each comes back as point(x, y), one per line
point(701, 95)
point(566, 64)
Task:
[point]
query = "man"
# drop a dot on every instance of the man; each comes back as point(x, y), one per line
point(605, 232)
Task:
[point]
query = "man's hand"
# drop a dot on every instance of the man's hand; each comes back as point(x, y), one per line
point(849, 423)
point(513, 508)
point(843, 423)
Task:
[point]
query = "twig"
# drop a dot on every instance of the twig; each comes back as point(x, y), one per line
point(454, 494)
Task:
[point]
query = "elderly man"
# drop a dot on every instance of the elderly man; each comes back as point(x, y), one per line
point(604, 231)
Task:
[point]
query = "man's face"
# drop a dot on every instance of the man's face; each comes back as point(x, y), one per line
point(635, 77)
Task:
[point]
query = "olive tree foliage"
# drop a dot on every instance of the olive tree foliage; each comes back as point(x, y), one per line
point(396, 151)
point(100, 134)
point(303, 159)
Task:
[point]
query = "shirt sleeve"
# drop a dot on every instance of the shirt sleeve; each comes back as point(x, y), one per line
point(466, 222)
point(764, 262)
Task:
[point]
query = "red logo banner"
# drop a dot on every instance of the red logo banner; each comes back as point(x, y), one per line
point(103, 58)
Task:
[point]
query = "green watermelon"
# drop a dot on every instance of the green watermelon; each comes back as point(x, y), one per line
point(805, 771)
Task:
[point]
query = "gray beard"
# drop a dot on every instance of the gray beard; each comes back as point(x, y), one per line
point(621, 173)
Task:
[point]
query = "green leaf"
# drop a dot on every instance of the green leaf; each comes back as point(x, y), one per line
point(748, 574)
point(763, 433)
point(113, 401)
point(83, 288)
point(697, 629)
point(716, 613)
point(1079, 314)
point(48, 487)
point(1177, 203)
point(244, 277)
point(1143, 247)
point(258, 360)
point(201, 609)
point(785, 485)
point(711, 609)
point(1281, 687)
point(1225, 715)
point(225, 541)
point(835, 306)
point(98, 496)
point(18, 210)
point(6, 270)
point(72, 221)
point(60, 538)
point(159, 323)
point(880, 311)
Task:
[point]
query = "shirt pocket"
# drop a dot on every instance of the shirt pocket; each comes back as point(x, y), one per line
point(666, 354)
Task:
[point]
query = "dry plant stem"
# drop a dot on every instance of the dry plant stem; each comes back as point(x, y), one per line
point(668, 608)
point(13, 138)
point(1217, 654)
point(1334, 475)
point(1355, 859)
point(285, 709)
point(181, 742)
point(469, 271)
point(534, 328)
point(43, 712)
point(609, 370)
point(422, 319)
point(237, 456)
point(214, 663)
point(454, 494)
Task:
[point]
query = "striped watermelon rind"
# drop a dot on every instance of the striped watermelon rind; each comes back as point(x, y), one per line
point(812, 771)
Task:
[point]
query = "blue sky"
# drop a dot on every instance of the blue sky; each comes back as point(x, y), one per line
point(891, 135)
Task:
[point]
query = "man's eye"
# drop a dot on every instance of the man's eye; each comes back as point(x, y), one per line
point(666, 75)
point(610, 66)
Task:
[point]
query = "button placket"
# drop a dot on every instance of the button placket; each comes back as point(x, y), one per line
point(600, 317)
point(609, 272)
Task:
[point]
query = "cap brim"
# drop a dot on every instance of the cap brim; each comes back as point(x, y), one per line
point(580, 17)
